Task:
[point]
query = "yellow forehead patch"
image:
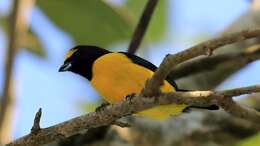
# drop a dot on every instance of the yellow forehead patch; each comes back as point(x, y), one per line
point(70, 53)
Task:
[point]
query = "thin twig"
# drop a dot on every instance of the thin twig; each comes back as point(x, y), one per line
point(36, 124)
point(142, 26)
point(139, 103)
point(209, 63)
point(206, 48)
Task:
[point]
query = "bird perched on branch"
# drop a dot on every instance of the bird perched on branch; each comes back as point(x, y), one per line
point(116, 75)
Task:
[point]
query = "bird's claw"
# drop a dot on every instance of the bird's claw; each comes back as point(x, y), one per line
point(102, 107)
point(130, 97)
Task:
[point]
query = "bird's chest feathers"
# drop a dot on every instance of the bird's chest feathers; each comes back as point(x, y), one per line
point(115, 76)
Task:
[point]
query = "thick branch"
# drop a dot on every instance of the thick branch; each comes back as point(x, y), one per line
point(139, 103)
point(171, 61)
point(142, 26)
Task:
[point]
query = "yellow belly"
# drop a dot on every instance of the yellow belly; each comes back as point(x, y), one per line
point(115, 77)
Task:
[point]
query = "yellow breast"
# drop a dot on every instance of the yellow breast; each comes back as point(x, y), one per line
point(115, 76)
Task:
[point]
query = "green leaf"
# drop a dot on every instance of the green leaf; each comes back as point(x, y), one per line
point(92, 22)
point(252, 141)
point(4, 23)
point(32, 44)
point(29, 41)
point(157, 26)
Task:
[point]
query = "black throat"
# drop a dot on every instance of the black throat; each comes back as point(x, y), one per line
point(87, 55)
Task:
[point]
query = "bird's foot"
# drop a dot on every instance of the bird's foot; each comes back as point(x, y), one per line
point(187, 110)
point(130, 97)
point(102, 107)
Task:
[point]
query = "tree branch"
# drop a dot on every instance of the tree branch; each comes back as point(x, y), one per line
point(36, 124)
point(209, 63)
point(7, 100)
point(140, 103)
point(142, 26)
point(206, 48)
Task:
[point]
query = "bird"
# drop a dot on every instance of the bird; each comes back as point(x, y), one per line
point(115, 75)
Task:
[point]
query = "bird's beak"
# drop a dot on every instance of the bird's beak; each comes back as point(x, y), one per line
point(65, 67)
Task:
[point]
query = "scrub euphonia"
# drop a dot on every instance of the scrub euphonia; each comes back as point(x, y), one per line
point(117, 74)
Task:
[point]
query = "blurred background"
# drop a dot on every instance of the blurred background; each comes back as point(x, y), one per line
point(36, 34)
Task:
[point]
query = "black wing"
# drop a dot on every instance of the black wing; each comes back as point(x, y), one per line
point(170, 79)
point(140, 61)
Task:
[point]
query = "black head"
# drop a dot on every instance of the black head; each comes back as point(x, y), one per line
point(81, 58)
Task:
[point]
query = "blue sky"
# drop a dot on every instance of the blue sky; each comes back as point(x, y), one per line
point(38, 83)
